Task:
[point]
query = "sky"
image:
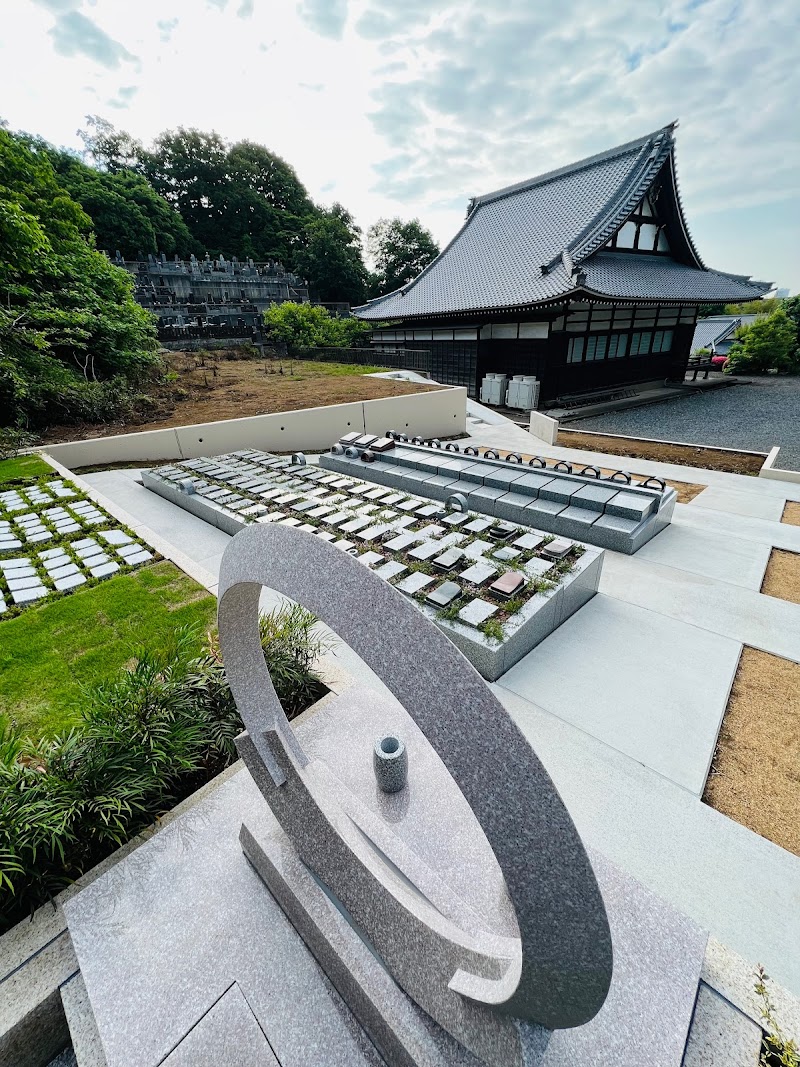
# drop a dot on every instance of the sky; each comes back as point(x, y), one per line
point(411, 107)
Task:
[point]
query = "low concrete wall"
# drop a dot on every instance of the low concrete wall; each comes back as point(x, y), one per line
point(543, 427)
point(769, 470)
point(438, 413)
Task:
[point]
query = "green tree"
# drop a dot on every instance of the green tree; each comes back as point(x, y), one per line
point(127, 213)
point(111, 149)
point(766, 344)
point(400, 251)
point(68, 319)
point(331, 261)
point(792, 308)
point(306, 326)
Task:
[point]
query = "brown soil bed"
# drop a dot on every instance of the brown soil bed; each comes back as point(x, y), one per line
point(791, 513)
point(686, 490)
point(755, 774)
point(683, 455)
point(217, 388)
point(782, 576)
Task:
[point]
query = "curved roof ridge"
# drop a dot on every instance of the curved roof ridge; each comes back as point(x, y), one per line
point(570, 168)
point(595, 234)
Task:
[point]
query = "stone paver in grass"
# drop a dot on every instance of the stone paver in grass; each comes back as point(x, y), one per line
point(29, 518)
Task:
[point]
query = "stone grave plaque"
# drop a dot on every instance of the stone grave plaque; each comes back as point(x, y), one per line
point(508, 584)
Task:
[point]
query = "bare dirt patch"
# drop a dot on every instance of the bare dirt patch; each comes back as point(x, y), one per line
point(686, 490)
point(682, 455)
point(213, 388)
point(791, 513)
point(755, 773)
point(782, 577)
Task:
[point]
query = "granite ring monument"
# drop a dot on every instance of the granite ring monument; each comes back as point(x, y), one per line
point(498, 995)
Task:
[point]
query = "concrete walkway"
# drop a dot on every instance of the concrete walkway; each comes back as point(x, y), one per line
point(623, 702)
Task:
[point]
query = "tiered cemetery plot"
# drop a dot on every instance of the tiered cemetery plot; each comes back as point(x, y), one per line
point(577, 501)
point(53, 540)
point(497, 589)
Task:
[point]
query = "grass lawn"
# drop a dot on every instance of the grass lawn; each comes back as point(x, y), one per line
point(50, 652)
point(24, 467)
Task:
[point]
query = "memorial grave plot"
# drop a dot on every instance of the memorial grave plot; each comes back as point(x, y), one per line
point(53, 539)
point(446, 914)
point(613, 511)
point(497, 589)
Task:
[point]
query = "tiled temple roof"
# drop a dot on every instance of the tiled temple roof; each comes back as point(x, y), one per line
point(538, 241)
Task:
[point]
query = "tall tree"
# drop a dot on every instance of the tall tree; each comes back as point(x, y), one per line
point(332, 261)
point(399, 250)
point(111, 149)
point(127, 213)
point(67, 315)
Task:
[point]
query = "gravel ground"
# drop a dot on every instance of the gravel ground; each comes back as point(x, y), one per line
point(757, 415)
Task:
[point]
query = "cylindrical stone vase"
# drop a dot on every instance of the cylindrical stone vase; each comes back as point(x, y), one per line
point(390, 761)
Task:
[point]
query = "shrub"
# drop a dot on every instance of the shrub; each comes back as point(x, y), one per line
point(13, 440)
point(147, 738)
point(306, 326)
point(766, 344)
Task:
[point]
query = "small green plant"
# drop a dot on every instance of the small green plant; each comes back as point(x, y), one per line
point(776, 1049)
point(493, 629)
point(13, 440)
point(513, 605)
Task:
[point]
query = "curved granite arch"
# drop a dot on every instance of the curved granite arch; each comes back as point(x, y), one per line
point(558, 973)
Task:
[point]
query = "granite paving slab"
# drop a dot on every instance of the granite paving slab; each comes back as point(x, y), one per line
point(392, 569)
point(478, 573)
point(651, 687)
point(147, 1003)
point(104, 570)
point(69, 581)
point(478, 548)
point(24, 596)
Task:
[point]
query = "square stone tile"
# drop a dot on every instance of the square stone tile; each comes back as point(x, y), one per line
point(402, 542)
point(21, 572)
point(456, 518)
point(426, 550)
point(557, 548)
point(392, 569)
point(355, 524)
point(528, 542)
point(344, 544)
point(506, 555)
point(478, 549)
point(52, 554)
point(478, 525)
point(291, 521)
point(477, 611)
point(537, 567)
point(14, 564)
point(326, 535)
point(415, 581)
point(478, 573)
point(369, 559)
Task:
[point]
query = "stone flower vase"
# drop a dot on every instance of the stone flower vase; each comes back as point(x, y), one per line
point(390, 761)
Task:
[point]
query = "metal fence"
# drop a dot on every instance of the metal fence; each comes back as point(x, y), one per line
point(417, 359)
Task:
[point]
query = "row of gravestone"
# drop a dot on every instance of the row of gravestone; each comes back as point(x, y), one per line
point(610, 512)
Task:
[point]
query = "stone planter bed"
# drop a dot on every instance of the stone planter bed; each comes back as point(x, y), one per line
point(448, 561)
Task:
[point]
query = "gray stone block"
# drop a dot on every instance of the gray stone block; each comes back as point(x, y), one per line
point(560, 489)
point(594, 497)
point(483, 498)
point(721, 1035)
point(576, 521)
point(510, 505)
point(543, 514)
point(630, 505)
point(104, 570)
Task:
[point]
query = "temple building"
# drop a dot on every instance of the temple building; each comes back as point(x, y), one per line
point(585, 277)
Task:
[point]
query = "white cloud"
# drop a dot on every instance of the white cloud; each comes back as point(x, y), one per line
point(425, 104)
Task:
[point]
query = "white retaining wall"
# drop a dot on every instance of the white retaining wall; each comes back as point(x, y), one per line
point(769, 470)
point(544, 427)
point(438, 413)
